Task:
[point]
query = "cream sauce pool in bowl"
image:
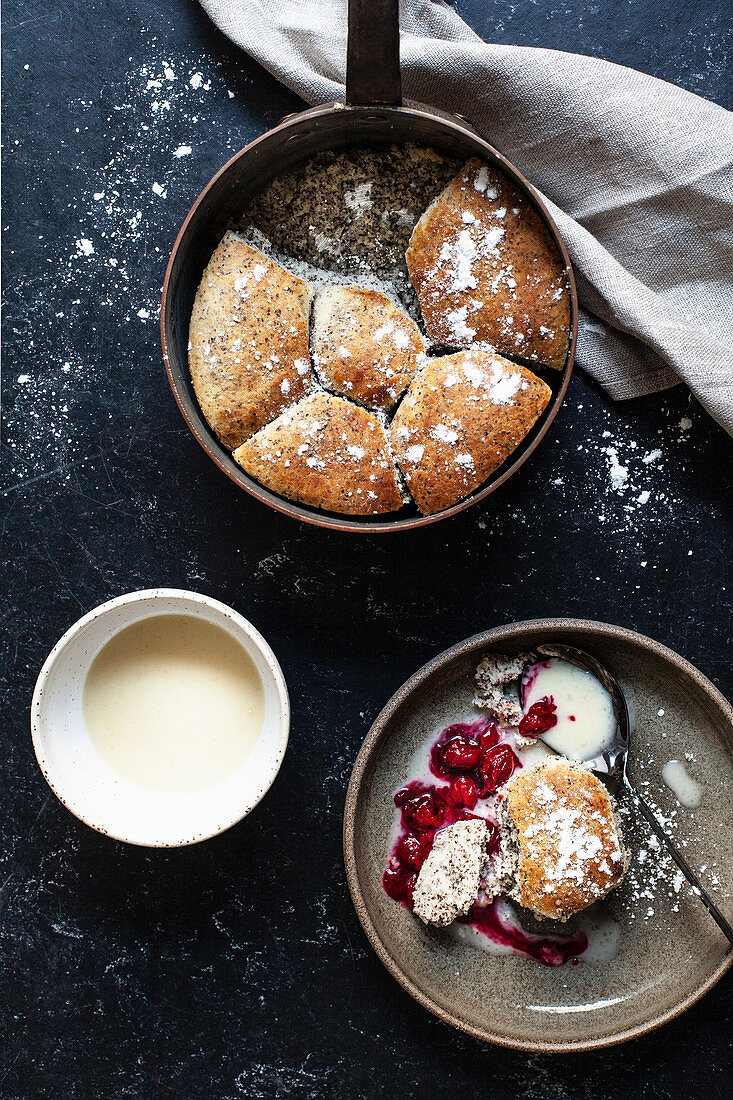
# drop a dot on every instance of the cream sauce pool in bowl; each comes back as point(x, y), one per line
point(161, 718)
point(585, 723)
point(174, 703)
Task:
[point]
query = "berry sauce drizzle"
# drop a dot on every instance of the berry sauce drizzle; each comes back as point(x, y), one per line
point(548, 950)
point(528, 678)
point(471, 761)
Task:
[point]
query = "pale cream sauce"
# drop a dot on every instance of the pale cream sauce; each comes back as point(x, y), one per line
point(685, 789)
point(174, 703)
point(586, 724)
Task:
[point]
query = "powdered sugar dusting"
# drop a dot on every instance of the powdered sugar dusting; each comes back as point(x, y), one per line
point(481, 183)
point(504, 386)
point(618, 473)
point(121, 212)
point(458, 257)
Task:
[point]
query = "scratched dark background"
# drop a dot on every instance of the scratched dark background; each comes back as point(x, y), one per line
point(237, 969)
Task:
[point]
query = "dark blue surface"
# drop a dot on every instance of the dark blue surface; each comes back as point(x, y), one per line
point(238, 968)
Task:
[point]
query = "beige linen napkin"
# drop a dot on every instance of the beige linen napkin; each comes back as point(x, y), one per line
point(636, 172)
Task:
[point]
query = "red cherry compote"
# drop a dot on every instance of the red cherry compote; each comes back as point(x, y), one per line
point(470, 762)
point(539, 718)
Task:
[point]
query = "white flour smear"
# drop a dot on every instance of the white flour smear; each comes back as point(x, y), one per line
point(105, 275)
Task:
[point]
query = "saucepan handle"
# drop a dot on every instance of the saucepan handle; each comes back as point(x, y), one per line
point(373, 54)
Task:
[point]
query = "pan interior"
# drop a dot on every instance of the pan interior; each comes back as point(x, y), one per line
point(224, 204)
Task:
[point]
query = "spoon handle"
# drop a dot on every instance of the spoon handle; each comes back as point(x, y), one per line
point(686, 870)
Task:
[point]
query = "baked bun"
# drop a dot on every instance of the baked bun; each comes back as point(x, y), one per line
point(461, 417)
point(364, 346)
point(486, 270)
point(248, 340)
point(561, 819)
point(328, 453)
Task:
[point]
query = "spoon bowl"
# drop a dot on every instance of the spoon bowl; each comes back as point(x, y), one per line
point(611, 765)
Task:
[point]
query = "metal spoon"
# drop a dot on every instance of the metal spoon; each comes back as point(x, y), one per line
point(611, 765)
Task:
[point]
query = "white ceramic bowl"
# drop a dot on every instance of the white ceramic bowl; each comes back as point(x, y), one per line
point(101, 797)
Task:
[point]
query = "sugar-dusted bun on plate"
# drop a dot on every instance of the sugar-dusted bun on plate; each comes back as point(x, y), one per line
point(328, 453)
point(486, 270)
point(364, 346)
point(559, 820)
point(248, 340)
point(461, 417)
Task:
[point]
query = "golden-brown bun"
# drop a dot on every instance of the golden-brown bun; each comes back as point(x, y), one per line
point(461, 417)
point(328, 453)
point(364, 346)
point(248, 340)
point(570, 848)
point(486, 270)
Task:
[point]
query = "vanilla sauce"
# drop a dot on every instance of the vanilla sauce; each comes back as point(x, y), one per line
point(173, 703)
point(586, 724)
point(686, 790)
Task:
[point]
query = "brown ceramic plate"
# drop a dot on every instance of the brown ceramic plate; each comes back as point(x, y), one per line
point(670, 951)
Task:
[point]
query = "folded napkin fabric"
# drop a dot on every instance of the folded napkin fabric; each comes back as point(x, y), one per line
point(637, 173)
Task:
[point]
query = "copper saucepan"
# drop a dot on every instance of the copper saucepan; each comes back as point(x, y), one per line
point(374, 114)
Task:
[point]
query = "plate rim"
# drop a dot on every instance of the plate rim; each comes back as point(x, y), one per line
point(370, 743)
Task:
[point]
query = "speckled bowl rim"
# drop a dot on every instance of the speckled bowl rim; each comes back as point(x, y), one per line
point(186, 598)
point(509, 632)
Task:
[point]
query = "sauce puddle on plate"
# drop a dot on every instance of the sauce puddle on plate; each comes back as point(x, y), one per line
point(685, 789)
point(174, 703)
